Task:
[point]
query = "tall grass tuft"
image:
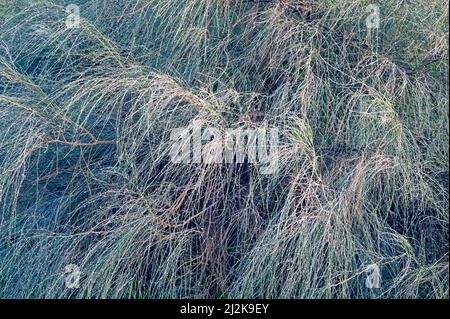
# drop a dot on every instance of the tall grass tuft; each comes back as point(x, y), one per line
point(85, 171)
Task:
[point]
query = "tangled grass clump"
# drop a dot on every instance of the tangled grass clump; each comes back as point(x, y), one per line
point(86, 178)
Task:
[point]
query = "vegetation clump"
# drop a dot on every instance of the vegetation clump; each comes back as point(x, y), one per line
point(86, 112)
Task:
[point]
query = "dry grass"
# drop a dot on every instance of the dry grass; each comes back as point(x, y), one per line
point(86, 178)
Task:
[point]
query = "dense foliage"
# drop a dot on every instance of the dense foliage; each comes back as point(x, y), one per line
point(85, 174)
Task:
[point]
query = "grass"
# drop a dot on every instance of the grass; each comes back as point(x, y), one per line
point(86, 178)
